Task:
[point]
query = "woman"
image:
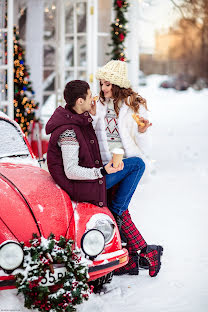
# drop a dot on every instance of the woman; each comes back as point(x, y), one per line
point(115, 127)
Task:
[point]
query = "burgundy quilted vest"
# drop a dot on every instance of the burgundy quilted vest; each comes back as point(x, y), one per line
point(92, 191)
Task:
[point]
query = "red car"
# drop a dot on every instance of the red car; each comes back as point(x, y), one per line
point(31, 202)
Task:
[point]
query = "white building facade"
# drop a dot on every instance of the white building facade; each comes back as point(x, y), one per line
point(64, 40)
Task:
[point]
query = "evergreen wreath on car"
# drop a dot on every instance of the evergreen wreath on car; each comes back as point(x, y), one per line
point(40, 258)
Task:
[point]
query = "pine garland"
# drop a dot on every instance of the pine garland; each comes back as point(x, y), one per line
point(119, 30)
point(68, 291)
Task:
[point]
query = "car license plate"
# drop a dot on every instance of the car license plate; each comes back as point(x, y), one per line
point(52, 278)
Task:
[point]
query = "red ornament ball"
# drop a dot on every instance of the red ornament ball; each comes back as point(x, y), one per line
point(119, 3)
point(121, 37)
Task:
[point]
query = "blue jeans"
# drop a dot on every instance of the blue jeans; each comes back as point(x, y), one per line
point(129, 178)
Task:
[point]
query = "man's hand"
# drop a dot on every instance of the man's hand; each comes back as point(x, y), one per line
point(147, 124)
point(93, 108)
point(109, 169)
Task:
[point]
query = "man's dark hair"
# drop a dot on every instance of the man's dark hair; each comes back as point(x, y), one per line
point(74, 90)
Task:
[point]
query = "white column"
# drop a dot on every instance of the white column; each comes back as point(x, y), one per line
point(15, 12)
point(132, 43)
point(75, 42)
point(10, 60)
point(92, 43)
point(60, 52)
point(34, 46)
point(95, 45)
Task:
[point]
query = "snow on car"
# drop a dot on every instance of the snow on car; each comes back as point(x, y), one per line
point(31, 202)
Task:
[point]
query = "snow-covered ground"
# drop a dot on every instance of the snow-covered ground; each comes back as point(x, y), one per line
point(169, 209)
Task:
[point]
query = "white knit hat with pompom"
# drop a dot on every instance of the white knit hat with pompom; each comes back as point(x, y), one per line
point(115, 72)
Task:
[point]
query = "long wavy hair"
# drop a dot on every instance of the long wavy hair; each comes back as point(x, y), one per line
point(131, 98)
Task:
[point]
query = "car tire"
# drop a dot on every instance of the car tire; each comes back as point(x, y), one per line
point(98, 283)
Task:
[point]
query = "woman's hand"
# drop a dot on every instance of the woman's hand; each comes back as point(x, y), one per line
point(109, 169)
point(93, 108)
point(147, 124)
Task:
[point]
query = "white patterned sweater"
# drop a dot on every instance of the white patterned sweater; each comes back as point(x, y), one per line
point(111, 128)
point(134, 143)
point(70, 154)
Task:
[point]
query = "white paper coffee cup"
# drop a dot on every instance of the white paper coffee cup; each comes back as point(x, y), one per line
point(117, 156)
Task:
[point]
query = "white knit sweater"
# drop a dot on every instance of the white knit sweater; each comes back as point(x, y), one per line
point(70, 155)
point(134, 142)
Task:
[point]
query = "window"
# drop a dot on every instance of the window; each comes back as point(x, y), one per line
point(11, 140)
point(6, 52)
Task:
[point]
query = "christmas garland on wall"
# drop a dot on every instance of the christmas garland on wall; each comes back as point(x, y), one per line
point(119, 30)
point(68, 290)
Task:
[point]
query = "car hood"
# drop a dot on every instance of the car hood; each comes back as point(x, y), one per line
point(31, 202)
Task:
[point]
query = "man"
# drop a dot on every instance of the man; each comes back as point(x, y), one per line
point(73, 156)
point(75, 164)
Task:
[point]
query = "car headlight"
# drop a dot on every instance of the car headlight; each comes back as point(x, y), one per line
point(11, 256)
point(103, 223)
point(106, 227)
point(93, 243)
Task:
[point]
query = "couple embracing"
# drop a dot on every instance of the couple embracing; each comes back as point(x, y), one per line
point(83, 136)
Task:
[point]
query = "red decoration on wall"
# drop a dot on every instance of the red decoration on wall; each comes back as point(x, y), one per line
point(121, 37)
point(119, 3)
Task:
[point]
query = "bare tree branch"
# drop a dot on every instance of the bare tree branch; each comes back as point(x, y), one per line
point(189, 20)
point(178, 7)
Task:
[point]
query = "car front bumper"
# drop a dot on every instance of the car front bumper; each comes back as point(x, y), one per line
point(100, 266)
point(106, 263)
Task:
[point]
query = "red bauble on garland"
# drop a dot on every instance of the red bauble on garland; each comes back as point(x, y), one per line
point(121, 37)
point(119, 3)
